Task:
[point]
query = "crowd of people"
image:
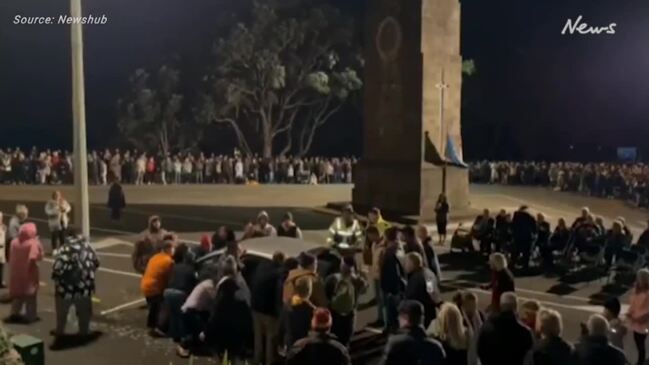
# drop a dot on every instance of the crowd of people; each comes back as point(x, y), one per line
point(628, 181)
point(528, 239)
point(137, 167)
point(289, 311)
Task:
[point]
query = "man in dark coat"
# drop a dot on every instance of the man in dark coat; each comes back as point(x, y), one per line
point(116, 200)
point(412, 346)
point(524, 230)
point(266, 306)
point(319, 347)
point(595, 348)
point(504, 340)
point(391, 278)
point(421, 286)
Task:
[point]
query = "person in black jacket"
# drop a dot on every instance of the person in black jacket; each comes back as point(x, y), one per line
point(266, 302)
point(116, 200)
point(504, 340)
point(391, 278)
point(288, 228)
point(558, 242)
point(543, 239)
point(524, 230)
point(411, 345)
point(411, 243)
point(483, 231)
point(421, 286)
point(222, 237)
point(643, 240)
point(502, 233)
point(431, 257)
point(551, 349)
point(319, 347)
point(441, 217)
point(181, 283)
point(595, 348)
point(229, 329)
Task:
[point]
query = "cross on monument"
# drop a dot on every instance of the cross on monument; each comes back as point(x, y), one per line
point(442, 86)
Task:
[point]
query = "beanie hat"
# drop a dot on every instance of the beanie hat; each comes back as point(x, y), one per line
point(321, 320)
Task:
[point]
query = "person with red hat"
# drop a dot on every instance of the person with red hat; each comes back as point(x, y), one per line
point(320, 347)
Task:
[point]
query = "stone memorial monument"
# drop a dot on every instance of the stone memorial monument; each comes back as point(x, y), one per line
point(413, 81)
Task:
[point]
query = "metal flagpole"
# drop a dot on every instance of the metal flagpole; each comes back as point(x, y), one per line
point(82, 209)
point(442, 86)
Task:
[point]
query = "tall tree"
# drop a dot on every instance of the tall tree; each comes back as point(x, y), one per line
point(149, 115)
point(281, 75)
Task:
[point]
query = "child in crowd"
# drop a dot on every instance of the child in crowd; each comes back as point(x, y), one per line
point(618, 330)
point(529, 310)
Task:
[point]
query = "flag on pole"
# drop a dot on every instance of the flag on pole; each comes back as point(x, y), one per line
point(451, 156)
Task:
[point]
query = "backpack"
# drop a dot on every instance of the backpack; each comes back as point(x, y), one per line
point(343, 300)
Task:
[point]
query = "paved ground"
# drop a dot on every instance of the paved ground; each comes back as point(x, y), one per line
point(120, 316)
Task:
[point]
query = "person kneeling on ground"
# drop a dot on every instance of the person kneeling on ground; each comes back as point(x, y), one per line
point(319, 347)
point(73, 272)
point(229, 329)
point(181, 283)
point(196, 312)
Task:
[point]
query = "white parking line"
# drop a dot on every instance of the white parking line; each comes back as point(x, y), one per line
point(110, 254)
point(122, 306)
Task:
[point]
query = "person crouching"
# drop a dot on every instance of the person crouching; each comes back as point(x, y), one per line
point(154, 282)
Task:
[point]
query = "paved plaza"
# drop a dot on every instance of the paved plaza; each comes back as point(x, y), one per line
point(191, 211)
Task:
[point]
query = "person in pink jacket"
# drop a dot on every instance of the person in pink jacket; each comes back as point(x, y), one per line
point(26, 252)
point(638, 314)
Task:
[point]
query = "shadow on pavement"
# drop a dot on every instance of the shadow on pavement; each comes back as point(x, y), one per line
point(66, 342)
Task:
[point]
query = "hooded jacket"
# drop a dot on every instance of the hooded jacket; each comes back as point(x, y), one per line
point(26, 252)
point(318, 296)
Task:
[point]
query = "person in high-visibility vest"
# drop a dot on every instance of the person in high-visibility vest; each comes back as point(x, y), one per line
point(346, 231)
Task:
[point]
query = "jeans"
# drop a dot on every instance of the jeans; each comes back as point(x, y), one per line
point(266, 338)
point(30, 304)
point(57, 238)
point(174, 299)
point(392, 302)
point(639, 339)
point(380, 301)
point(83, 308)
point(155, 305)
point(343, 327)
point(193, 324)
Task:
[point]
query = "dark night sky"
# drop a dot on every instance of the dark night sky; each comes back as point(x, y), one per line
point(536, 91)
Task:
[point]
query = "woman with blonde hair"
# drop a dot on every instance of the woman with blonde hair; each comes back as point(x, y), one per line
point(551, 348)
point(528, 313)
point(638, 314)
point(502, 280)
point(449, 329)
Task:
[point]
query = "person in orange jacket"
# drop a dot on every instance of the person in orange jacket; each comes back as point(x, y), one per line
point(154, 282)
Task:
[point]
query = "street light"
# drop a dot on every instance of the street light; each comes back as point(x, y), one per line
point(82, 208)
